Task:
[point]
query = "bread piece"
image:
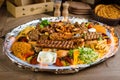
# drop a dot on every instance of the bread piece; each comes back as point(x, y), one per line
point(98, 7)
point(107, 11)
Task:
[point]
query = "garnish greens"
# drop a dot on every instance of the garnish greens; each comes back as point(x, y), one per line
point(86, 55)
point(70, 53)
point(100, 38)
point(44, 23)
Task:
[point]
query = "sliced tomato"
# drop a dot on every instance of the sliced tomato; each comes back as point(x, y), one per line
point(34, 60)
point(69, 60)
point(26, 55)
point(108, 41)
point(58, 62)
point(23, 39)
point(89, 25)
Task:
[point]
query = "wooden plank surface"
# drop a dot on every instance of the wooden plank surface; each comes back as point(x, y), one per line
point(32, 9)
point(108, 70)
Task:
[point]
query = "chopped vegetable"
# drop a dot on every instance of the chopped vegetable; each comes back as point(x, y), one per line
point(34, 60)
point(87, 55)
point(44, 23)
point(75, 56)
point(100, 38)
point(83, 55)
point(89, 25)
point(70, 53)
point(29, 58)
point(41, 26)
point(69, 60)
point(58, 62)
point(83, 35)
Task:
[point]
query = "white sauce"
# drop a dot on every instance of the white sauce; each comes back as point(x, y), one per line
point(46, 57)
point(92, 30)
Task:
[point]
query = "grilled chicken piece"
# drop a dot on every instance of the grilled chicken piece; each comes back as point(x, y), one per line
point(34, 35)
point(61, 36)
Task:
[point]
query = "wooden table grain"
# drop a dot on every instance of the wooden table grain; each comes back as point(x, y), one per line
point(108, 70)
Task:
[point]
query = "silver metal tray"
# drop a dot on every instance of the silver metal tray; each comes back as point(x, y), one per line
point(55, 69)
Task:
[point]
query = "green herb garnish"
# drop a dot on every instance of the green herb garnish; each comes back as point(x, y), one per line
point(83, 35)
point(41, 26)
point(87, 55)
point(44, 23)
point(70, 53)
point(100, 38)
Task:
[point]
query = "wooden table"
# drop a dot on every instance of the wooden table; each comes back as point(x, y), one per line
point(108, 70)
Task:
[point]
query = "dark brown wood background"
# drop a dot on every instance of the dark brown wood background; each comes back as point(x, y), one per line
point(108, 70)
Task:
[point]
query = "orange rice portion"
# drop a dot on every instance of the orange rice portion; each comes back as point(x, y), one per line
point(22, 50)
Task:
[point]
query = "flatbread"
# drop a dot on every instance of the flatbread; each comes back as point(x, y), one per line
point(98, 7)
point(107, 11)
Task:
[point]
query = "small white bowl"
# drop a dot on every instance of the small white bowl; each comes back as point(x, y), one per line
point(47, 57)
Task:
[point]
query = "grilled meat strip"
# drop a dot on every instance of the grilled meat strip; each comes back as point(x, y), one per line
point(58, 44)
point(92, 36)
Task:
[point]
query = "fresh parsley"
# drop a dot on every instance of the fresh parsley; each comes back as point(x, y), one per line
point(44, 23)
